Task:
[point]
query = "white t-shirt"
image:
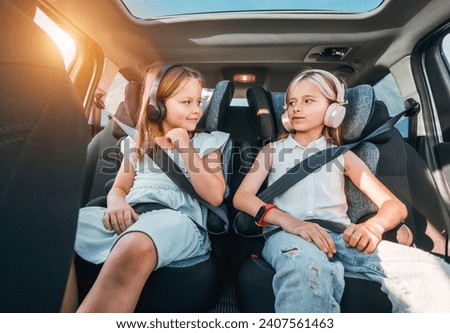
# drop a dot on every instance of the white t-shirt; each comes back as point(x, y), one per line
point(321, 194)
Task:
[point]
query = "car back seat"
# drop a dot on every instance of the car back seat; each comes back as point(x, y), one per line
point(396, 164)
point(190, 285)
point(103, 153)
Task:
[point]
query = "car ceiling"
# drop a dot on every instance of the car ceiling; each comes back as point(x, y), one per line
point(274, 46)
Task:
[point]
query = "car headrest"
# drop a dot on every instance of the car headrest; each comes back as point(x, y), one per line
point(261, 112)
point(363, 115)
point(128, 110)
point(212, 118)
point(132, 100)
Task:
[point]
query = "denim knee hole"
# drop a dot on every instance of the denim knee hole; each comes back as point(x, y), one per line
point(290, 251)
point(313, 274)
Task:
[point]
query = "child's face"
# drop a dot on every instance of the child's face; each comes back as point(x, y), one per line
point(306, 107)
point(184, 109)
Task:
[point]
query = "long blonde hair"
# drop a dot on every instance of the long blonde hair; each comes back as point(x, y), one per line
point(332, 88)
point(173, 80)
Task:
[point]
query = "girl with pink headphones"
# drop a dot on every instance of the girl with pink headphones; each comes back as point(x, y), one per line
point(310, 261)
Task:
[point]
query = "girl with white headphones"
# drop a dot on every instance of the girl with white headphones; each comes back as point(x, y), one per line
point(335, 113)
point(309, 260)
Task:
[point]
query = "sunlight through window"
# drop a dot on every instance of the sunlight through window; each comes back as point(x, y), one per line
point(64, 41)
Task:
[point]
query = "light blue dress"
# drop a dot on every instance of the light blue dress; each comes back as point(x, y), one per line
point(175, 235)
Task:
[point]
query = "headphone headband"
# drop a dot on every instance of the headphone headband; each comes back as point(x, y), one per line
point(335, 112)
point(339, 86)
point(156, 109)
point(155, 84)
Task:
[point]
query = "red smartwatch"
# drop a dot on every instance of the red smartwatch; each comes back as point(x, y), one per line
point(259, 217)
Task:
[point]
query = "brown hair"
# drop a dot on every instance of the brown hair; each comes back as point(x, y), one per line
point(173, 80)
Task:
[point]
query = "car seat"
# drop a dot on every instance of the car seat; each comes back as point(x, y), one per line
point(44, 136)
point(190, 285)
point(103, 153)
point(387, 157)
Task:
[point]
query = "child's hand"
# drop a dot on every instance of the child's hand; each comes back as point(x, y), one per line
point(364, 236)
point(119, 217)
point(179, 137)
point(312, 232)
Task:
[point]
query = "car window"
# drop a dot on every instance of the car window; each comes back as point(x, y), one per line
point(154, 8)
point(446, 50)
point(239, 102)
point(62, 39)
point(116, 95)
point(387, 90)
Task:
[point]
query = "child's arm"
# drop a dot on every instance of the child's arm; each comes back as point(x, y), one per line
point(246, 200)
point(119, 215)
point(391, 211)
point(205, 174)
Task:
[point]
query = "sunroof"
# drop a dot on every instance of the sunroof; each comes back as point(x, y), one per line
point(147, 9)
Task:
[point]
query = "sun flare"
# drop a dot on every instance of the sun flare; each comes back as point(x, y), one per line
point(63, 40)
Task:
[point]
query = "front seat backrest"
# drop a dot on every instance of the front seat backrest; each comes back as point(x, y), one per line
point(43, 138)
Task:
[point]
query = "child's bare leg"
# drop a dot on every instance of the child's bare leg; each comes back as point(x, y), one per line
point(70, 300)
point(122, 277)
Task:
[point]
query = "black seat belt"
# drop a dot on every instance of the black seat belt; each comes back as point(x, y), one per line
point(319, 159)
point(316, 161)
point(173, 171)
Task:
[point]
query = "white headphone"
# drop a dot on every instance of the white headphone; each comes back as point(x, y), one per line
point(335, 112)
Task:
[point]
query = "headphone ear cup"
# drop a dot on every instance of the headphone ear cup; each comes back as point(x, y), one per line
point(153, 113)
point(286, 122)
point(334, 116)
point(162, 111)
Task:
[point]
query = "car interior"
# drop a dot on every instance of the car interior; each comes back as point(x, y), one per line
point(61, 147)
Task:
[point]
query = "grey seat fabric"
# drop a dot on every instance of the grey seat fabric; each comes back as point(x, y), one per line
point(212, 120)
point(103, 154)
point(128, 110)
point(395, 163)
point(43, 139)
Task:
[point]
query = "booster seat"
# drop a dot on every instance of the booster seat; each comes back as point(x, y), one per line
point(389, 158)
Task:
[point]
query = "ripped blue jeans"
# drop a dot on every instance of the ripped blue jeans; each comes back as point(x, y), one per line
point(307, 281)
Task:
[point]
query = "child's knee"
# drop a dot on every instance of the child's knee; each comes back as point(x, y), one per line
point(135, 249)
point(301, 259)
point(307, 274)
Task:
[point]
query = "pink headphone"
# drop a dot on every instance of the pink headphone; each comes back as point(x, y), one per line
point(335, 112)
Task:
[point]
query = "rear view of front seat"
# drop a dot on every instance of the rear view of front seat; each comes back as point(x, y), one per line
point(43, 139)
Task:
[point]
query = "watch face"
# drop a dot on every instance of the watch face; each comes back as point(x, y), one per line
point(260, 213)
